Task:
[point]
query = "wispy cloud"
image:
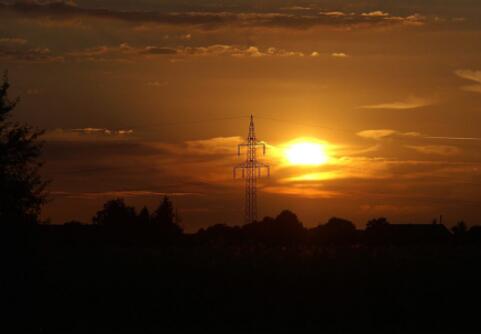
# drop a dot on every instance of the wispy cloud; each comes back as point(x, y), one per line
point(454, 138)
point(13, 40)
point(297, 18)
point(19, 53)
point(379, 134)
point(335, 13)
point(385, 133)
point(376, 13)
point(239, 51)
point(105, 131)
point(302, 191)
point(443, 150)
point(218, 145)
point(88, 133)
point(474, 76)
point(118, 194)
point(412, 102)
point(126, 52)
point(339, 55)
point(297, 8)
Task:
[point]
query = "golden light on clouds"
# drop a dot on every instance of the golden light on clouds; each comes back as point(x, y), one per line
point(319, 176)
point(306, 152)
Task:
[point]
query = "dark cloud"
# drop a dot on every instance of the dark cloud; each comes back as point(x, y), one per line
point(12, 41)
point(159, 50)
point(127, 53)
point(29, 54)
point(298, 20)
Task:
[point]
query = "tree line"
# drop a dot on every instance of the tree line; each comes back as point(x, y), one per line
point(23, 192)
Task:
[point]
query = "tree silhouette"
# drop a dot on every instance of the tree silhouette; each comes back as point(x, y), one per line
point(115, 213)
point(338, 230)
point(144, 216)
point(460, 229)
point(377, 223)
point(22, 190)
point(282, 230)
point(166, 218)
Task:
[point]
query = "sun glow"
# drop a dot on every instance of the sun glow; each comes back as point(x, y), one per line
point(306, 153)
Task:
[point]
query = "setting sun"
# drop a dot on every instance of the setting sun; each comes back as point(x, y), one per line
point(307, 153)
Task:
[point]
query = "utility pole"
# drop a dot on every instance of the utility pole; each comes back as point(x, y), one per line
point(251, 171)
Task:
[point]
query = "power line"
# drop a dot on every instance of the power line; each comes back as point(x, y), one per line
point(310, 125)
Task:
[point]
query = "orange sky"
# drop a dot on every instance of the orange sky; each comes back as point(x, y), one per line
point(152, 97)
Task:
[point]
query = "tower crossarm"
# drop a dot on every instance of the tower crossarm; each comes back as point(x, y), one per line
point(255, 165)
point(254, 144)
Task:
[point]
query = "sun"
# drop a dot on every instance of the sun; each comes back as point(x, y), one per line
point(306, 153)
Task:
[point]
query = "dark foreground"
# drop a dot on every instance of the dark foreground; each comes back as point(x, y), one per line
point(82, 279)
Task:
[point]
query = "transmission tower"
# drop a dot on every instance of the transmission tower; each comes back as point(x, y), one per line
point(251, 171)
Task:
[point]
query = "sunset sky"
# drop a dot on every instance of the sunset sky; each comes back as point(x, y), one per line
point(151, 97)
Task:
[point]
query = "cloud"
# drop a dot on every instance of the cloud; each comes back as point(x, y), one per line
point(443, 150)
point(302, 191)
point(385, 133)
point(125, 52)
point(218, 145)
point(376, 134)
point(455, 138)
point(82, 134)
point(13, 40)
point(339, 55)
point(471, 75)
point(154, 50)
point(296, 8)
point(122, 52)
point(297, 19)
point(334, 14)
point(104, 131)
point(376, 13)
point(17, 52)
point(236, 51)
point(409, 103)
point(117, 194)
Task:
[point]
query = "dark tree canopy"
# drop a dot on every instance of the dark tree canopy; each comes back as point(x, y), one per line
point(339, 224)
point(377, 223)
point(144, 216)
point(115, 213)
point(284, 229)
point(22, 190)
point(460, 228)
point(166, 218)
